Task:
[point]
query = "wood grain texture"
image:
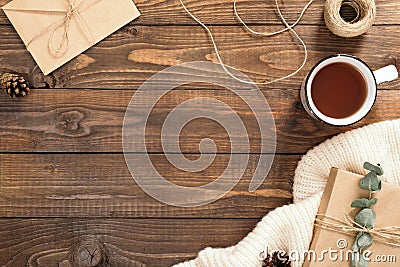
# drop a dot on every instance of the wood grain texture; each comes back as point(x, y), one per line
point(62, 120)
point(100, 185)
point(136, 57)
point(76, 185)
point(170, 12)
point(128, 242)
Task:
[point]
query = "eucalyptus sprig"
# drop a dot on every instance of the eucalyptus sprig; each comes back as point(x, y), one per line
point(366, 216)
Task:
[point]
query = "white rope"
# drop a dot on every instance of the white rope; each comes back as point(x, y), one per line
point(287, 27)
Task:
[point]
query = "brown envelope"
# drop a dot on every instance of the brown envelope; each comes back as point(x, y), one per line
point(342, 188)
point(40, 23)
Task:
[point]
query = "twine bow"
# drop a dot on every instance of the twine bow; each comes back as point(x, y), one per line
point(388, 235)
point(73, 9)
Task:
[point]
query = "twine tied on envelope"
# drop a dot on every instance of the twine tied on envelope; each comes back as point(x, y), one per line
point(388, 235)
point(73, 9)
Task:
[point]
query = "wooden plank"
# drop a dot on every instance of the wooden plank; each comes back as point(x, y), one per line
point(135, 58)
point(65, 120)
point(170, 12)
point(127, 242)
point(100, 185)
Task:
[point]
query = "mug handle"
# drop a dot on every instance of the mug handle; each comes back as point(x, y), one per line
point(386, 74)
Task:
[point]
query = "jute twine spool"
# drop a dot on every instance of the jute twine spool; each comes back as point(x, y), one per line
point(365, 15)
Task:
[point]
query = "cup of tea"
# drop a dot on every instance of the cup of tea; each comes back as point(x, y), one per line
point(341, 89)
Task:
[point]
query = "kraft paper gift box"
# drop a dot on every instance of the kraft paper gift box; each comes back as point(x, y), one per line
point(55, 31)
point(341, 189)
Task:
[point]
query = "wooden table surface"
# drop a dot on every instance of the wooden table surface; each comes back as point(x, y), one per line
point(64, 182)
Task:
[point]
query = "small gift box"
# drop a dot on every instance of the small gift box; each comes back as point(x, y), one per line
point(55, 31)
point(335, 231)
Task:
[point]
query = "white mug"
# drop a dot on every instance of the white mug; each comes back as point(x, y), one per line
point(372, 79)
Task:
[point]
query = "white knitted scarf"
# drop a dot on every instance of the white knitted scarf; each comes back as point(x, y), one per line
point(290, 227)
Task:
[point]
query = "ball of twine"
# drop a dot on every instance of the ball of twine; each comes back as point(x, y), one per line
point(365, 15)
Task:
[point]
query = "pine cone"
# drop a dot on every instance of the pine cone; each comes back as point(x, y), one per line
point(14, 84)
point(277, 260)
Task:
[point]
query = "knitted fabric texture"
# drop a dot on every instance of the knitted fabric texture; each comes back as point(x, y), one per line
point(290, 227)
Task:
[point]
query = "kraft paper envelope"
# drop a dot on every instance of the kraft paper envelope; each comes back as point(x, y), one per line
point(341, 189)
point(55, 31)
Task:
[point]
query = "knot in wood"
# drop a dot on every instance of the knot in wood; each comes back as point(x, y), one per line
point(133, 31)
point(39, 80)
point(88, 252)
point(70, 122)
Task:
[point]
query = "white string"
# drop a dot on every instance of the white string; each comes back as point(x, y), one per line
point(287, 27)
point(280, 14)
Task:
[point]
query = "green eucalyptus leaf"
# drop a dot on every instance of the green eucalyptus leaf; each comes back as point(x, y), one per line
point(375, 168)
point(363, 203)
point(366, 218)
point(379, 187)
point(371, 182)
point(355, 246)
point(359, 260)
point(364, 240)
point(360, 203)
point(372, 202)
